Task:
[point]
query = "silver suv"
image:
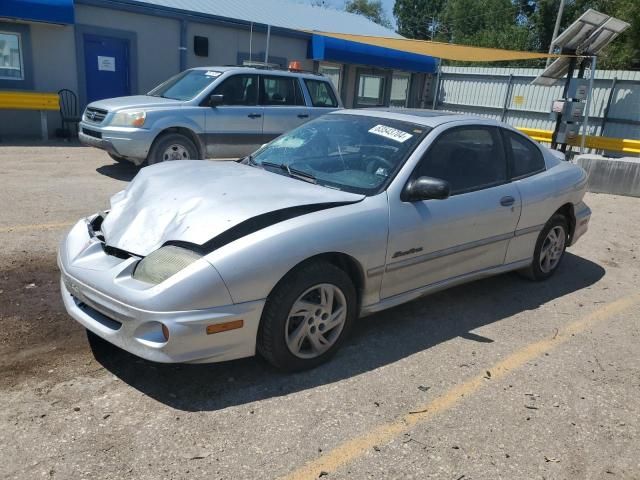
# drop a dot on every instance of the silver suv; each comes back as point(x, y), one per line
point(209, 112)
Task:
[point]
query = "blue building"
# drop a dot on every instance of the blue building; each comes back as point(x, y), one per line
point(107, 48)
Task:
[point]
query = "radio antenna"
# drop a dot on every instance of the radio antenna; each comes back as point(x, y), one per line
point(250, 41)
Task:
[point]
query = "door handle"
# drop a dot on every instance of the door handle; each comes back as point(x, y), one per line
point(303, 115)
point(507, 201)
point(254, 115)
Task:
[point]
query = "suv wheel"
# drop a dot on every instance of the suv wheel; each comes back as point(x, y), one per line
point(172, 146)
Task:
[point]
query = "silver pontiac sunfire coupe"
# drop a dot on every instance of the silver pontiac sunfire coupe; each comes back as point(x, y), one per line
point(347, 215)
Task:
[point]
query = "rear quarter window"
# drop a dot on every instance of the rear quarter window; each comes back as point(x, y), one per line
point(526, 157)
point(321, 93)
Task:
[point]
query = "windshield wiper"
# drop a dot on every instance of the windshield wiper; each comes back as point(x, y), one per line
point(294, 173)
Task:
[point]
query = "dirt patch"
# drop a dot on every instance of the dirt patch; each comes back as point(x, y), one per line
point(36, 329)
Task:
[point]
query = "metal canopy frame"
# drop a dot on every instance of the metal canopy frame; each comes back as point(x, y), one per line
point(586, 37)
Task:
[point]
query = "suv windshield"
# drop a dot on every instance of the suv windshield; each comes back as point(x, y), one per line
point(358, 154)
point(186, 85)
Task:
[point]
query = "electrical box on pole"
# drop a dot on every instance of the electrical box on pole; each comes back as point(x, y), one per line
point(579, 42)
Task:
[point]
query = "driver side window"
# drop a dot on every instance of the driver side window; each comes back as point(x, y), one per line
point(469, 158)
point(239, 90)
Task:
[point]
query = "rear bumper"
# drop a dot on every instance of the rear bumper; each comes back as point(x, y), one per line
point(583, 215)
point(130, 143)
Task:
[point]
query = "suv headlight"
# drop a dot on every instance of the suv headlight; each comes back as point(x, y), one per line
point(165, 262)
point(128, 119)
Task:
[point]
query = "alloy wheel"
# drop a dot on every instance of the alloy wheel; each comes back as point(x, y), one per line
point(315, 321)
point(552, 249)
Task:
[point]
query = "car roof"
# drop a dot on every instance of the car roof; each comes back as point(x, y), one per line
point(264, 71)
point(428, 118)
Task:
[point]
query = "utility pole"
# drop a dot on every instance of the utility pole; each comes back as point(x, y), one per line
point(555, 29)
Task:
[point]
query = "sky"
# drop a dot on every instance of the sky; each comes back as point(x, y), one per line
point(387, 4)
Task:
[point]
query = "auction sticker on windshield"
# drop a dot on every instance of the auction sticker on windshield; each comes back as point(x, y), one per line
point(391, 133)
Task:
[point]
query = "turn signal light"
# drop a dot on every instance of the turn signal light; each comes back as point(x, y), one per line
point(165, 332)
point(224, 327)
point(138, 122)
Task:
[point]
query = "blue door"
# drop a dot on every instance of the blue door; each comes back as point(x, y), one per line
point(106, 66)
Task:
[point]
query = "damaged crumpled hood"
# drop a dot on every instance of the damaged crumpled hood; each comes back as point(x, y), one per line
point(195, 200)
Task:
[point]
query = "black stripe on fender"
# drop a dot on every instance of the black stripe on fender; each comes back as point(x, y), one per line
point(255, 224)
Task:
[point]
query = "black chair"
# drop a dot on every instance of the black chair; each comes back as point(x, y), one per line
point(69, 111)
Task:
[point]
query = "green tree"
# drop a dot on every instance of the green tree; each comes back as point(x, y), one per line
point(543, 20)
point(516, 24)
point(372, 9)
point(417, 18)
point(486, 23)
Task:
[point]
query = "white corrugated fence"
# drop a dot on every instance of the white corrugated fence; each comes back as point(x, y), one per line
point(506, 93)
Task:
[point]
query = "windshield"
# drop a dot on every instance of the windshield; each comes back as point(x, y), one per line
point(354, 153)
point(186, 85)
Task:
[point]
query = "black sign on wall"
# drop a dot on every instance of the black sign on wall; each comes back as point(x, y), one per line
point(201, 46)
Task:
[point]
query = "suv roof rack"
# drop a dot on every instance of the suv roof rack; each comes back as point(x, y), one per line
point(272, 66)
point(261, 65)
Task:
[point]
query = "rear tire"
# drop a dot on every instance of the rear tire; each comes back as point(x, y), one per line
point(550, 247)
point(172, 146)
point(307, 317)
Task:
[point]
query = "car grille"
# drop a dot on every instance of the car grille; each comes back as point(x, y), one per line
point(92, 133)
point(94, 115)
point(96, 315)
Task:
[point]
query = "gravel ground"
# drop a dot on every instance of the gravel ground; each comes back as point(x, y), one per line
point(501, 378)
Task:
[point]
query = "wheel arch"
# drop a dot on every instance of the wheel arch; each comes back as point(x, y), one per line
point(568, 211)
point(343, 261)
point(187, 132)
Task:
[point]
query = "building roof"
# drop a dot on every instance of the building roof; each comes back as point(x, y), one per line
point(281, 13)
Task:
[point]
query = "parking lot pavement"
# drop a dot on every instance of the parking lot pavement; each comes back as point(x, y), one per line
point(501, 378)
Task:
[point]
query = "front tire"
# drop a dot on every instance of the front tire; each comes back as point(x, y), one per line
point(172, 146)
point(307, 317)
point(550, 248)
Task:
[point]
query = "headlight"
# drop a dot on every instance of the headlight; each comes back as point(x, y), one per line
point(164, 263)
point(128, 119)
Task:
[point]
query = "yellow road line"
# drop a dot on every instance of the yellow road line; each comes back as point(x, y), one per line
point(37, 226)
point(356, 447)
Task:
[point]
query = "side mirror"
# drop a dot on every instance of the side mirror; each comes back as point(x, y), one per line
point(426, 188)
point(216, 99)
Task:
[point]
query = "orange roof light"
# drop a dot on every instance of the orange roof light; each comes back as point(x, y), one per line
point(294, 66)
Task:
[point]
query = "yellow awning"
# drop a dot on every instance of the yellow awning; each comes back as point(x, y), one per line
point(447, 51)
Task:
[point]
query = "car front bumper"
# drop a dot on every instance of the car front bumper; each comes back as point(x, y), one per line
point(94, 289)
point(130, 143)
